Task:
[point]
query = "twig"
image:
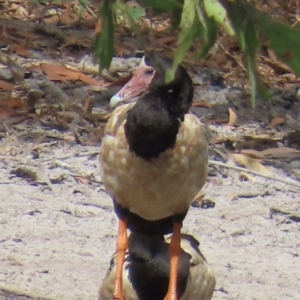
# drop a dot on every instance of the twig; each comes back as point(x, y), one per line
point(286, 181)
point(70, 155)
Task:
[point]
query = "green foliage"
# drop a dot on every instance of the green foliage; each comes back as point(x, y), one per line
point(284, 40)
point(208, 31)
point(248, 41)
point(126, 11)
point(200, 19)
point(162, 5)
point(215, 10)
point(81, 2)
point(122, 11)
point(189, 29)
point(105, 36)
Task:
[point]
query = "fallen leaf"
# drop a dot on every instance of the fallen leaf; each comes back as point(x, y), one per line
point(201, 104)
point(88, 105)
point(256, 143)
point(5, 114)
point(81, 179)
point(164, 41)
point(271, 54)
point(20, 50)
point(280, 152)
point(232, 117)
point(6, 86)
point(119, 82)
point(199, 196)
point(277, 121)
point(250, 163)
point(289, 117)
point(216, 121)
point(58, 72)
point(12, 102)
point(37, 68)
point(98, 27)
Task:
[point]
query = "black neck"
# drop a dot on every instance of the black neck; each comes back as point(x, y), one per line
point(153, 123)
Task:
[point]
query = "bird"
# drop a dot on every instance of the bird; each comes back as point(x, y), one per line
point(146, 270)
point(153, 158)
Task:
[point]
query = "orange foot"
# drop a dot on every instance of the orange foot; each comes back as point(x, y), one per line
point(174, 250)
point(122, 244)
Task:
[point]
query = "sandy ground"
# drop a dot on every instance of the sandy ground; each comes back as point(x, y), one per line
point(56, 244)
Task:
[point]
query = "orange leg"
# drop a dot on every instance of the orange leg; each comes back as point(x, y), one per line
point(174, 250)
point(122, 244)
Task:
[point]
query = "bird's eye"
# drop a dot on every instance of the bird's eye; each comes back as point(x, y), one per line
point(149, 71)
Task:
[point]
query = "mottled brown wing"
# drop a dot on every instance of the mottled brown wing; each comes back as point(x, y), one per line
point(117, 118)
point(107, 285)
point(202, 280)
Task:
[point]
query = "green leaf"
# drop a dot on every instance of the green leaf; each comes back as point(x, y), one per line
point(135, 13)
point(105, 38)
point(162, 5)
point(125, 10)
point(181, 50)
point(215, 10)
point(246, 32)
point(208, 32)
point(186, 36)
point(284, 40)
point(251, 47)
point(237, 14)
point(176, 18)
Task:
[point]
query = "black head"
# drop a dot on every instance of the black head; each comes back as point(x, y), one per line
point(151, 76)
point(159, 66)
point(150, 267)
point(153, 123)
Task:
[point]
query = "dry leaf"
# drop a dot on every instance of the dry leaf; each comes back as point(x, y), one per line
point(20, 50)
point(250, 163)
point(199, 196)
point(164, 41)
point(5, 114)
point(12, 102)
point(289, 117)
point(58, 72)
point(272, 54)
point(256, 143)
point(232, 117)
point(201, 104)
point(277, 121)
point(6, 86)
point(280, 152)
point(98, 27)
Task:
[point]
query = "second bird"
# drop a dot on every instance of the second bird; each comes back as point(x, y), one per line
point(146, 271)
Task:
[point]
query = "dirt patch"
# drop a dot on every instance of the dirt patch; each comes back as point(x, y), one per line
point(56, 244)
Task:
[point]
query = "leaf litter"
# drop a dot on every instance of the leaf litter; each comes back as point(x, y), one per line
point(52, 96)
